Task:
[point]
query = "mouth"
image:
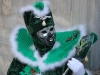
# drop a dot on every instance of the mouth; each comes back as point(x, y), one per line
point(51, 40)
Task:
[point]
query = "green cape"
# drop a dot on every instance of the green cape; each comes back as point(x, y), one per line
point(64, 48)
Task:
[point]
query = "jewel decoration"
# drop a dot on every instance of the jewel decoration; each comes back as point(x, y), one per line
point(73, 36)
point(32, 71)
point(43, 18)
point(43, 23)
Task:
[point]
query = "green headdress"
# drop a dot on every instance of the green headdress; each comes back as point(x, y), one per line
point(38, 16)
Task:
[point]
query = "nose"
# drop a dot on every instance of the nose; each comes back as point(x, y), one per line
point(50, 35)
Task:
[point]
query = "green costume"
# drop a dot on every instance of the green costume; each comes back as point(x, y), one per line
point(34, 58)
point(53, 62)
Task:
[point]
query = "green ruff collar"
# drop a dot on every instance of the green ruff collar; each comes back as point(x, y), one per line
point(24, 50)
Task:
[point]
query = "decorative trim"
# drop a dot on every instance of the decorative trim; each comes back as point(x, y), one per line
point(43, 67)
point(17, 54)
point(37, 12)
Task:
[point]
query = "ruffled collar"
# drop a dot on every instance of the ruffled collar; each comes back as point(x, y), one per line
point(24, 50)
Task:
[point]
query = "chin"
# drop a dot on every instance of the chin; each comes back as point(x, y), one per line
point(51, 44)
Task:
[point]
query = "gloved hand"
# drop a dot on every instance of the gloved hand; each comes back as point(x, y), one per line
point(76, 66)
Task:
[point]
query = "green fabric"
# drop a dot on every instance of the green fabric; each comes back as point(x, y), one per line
point(15, 67)
point(24, 41)
point(62, 52)
point(39, 5)
point(35, 24)
point(22, 69)
point(27, 70)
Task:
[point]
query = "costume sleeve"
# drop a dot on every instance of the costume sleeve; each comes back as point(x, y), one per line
point(15, 67)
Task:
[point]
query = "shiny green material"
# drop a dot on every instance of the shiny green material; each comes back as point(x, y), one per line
point(39, 5)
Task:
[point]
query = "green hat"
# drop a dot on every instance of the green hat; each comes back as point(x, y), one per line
point(38, 16)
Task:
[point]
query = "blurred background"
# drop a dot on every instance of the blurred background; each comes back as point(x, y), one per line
point(67, 13)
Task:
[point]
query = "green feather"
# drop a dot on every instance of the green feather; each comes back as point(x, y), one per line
point(39, 5)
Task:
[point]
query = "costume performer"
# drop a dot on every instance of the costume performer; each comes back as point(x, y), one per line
point(39, 50)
